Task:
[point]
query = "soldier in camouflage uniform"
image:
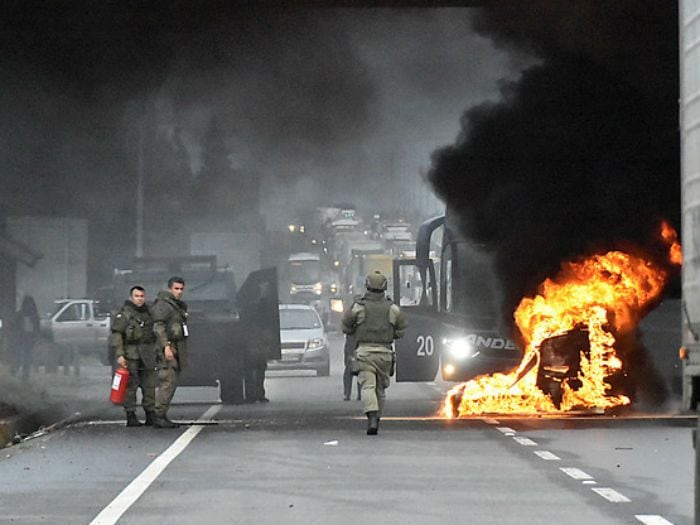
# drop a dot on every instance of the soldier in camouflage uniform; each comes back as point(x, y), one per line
point(375, 321)
point(133, 341)
point(170, 326)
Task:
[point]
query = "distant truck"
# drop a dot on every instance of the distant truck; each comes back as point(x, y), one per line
point(363, 262)
point(78, 325)
point(397, 231)
point(346, 220)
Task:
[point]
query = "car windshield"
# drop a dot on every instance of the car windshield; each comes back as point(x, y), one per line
point(298, 319)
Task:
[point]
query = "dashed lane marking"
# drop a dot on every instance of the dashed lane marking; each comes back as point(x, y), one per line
point(576, 473)
point(134, 490)
point(547, 455)
point(652, 519)
point(526, 442)
point(611, 495)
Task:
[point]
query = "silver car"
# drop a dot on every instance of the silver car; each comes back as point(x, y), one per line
point(303, 339)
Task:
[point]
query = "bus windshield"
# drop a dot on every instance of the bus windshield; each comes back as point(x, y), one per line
point(305, 272)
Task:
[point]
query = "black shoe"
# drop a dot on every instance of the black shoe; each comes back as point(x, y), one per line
point(150, 418)
point(372, 423)
point(163, 422)
point(132, 420)
point(346, 398)
point(264, 400)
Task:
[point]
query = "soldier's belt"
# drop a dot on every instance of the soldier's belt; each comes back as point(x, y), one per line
point(375, 347)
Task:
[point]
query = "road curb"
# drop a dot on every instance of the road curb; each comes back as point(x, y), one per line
point(15, 428)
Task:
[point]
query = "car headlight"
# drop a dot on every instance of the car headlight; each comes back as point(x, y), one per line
point(459, 348)
point(315, 343)
point(337, 305)
point(318, 288)
point(293, 289)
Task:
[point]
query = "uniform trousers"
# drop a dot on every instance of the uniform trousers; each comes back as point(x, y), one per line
point(373, 378)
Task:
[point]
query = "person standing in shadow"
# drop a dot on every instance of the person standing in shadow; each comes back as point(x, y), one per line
point(27, 331)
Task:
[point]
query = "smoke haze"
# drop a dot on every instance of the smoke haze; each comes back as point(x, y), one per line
point(352, 101)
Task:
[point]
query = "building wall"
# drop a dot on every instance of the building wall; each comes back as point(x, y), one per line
point(690, 154)
point(62, 271)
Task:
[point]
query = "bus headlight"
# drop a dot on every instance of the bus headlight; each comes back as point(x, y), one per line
point(459, 348)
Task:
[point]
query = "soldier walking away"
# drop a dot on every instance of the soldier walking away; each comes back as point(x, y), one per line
point(27, 331)
point(348, 354)
point(170, 326)
point(375, 321)
point(133, 341)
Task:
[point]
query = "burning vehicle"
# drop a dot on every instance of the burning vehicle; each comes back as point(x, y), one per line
point(571, 330)
point(567, 356)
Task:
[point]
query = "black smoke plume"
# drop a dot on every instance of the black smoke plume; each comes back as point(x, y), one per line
point(581, 154)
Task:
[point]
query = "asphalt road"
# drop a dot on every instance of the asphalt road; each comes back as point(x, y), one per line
point(305, 458)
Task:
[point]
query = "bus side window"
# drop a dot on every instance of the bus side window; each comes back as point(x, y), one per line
point(446, 278)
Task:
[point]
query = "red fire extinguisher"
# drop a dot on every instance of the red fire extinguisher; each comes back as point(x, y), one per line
point(119, 384)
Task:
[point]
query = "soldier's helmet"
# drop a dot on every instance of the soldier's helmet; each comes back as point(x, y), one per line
point(376, 281)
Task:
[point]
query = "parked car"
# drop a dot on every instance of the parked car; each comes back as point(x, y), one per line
point(78, 325)
point(304, 345)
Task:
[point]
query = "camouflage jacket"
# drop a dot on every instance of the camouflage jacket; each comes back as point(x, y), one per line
point(132, 333)
point(170, 325)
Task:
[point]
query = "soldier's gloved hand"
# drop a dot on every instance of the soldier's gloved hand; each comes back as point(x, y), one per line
point(169, 353)
point(121, 360)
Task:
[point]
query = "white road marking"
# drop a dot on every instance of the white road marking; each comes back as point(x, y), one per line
point(611, 495)
point(507, 431)
point(526, 442)
point(490, 421)
point(652, 519)
point(590, 482)
point(134, 490)
point(575, 473)
point(547, 455)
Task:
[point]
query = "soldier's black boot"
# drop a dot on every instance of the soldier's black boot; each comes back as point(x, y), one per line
point(132, 420)
point(372, 423)
point(150, 418)
point(163, 422)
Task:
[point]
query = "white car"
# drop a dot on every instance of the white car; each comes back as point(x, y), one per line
point(303, 339)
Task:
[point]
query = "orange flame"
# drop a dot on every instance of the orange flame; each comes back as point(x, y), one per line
point(599, 296)
point(668, 234)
